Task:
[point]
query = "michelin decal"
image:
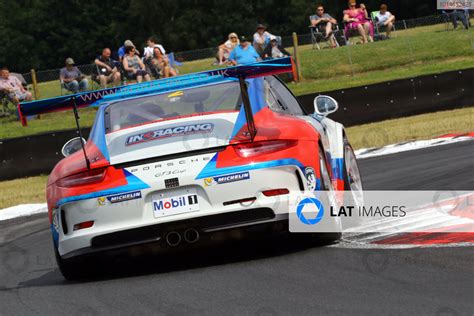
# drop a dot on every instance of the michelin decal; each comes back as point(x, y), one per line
point(226, 178)
point(117, 198)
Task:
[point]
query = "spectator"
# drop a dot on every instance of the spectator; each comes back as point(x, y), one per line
point(324, 21)
point(12, 87)
point(226, 48)
point(151, 43)
point(357, 19)
point(121, 50)
point(385, 18)
point(108, 71)
point(161, 63)
point(274, 50)
point(134, 66)
point(456, 15)
point(72, 78)
point(244, 53)
point(261, 38)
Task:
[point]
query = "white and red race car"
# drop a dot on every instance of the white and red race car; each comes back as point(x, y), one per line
point(174, 160)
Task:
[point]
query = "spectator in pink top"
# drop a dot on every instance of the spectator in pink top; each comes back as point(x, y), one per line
point(358, 19)
point(13, 88)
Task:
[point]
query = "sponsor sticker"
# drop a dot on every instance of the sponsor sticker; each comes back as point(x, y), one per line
point(175, 204)
point(181, 130)
point(228, 178)
point(117, 198)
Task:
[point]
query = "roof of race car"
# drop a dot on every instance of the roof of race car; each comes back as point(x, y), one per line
point(95, 98)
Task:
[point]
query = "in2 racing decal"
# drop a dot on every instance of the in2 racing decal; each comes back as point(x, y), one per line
point(170, 132)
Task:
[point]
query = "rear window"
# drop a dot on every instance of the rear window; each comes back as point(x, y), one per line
point(223, 97)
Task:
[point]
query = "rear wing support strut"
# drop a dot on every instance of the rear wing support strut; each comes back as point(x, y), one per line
point(247, 107)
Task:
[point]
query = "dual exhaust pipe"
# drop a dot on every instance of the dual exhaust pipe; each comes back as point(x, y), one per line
point(174, 238)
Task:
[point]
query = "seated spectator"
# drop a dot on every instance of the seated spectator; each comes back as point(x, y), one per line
point(456, 15)
point(161, 64)
point(244, 53)
point(385, 18)
point(274, 50)
point(72, 78)
point(261, 38)
point(324, 22)
point(134, 66)
point(13, 89)
point(227, 47)
point(358, 20)
point(148, 51)
point(121, 50)
point(108, 71)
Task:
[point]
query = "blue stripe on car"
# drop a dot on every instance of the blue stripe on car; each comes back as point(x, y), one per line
point(211, 170)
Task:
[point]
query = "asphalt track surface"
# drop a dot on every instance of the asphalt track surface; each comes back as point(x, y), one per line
point(268, 277)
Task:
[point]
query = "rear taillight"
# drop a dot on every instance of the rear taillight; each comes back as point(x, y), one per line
point(275, 192)
point(263, 148)
point(83, 178)
point(84, 225)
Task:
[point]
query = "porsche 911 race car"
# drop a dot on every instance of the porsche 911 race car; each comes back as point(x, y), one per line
point(173, 160)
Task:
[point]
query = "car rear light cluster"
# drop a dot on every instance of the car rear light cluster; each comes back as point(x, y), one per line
point(275, 192)
point(83, 225)
point(83, 178)
point(263, 148)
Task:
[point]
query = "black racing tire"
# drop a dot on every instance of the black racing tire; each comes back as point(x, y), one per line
point(350, 176)
point(322, 239)
point(76, 268)
point(352, 184)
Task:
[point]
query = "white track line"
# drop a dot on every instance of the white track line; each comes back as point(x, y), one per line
point(408, 146)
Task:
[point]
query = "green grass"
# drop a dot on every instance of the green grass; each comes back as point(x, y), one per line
point(23, 191)
point(426, 126)
point(413, 52)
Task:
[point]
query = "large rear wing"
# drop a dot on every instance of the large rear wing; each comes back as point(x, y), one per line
point(93, 98)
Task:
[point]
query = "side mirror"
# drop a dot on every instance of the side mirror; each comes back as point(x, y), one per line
point(325, 105)
point(72, 146)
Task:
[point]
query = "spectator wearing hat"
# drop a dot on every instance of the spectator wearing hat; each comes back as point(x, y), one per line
point(274, 50)
point(244, 53)
point(261, 38)
point(72, 78)
point(226, 48)
point(107, 67)
point(121, 50)
point(134, 66)
point(12, 87)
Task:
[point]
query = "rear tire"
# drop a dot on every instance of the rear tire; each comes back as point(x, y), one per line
point(76, 268)
point(322, 239)
point(352, 184)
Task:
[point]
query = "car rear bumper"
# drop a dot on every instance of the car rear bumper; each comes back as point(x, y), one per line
point(205, 225)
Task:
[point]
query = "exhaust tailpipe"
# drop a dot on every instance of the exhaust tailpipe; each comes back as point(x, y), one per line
point(173, 239)
point(191, 235)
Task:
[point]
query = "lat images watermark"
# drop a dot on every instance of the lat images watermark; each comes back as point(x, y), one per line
point(381, 212)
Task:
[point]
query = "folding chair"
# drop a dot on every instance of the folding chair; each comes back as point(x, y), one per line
point(378, 29)
point(173, 61)
point(318, 34)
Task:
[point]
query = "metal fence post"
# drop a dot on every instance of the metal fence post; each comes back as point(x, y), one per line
point(35, 84)
point(405, 24)
point(297, 57)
